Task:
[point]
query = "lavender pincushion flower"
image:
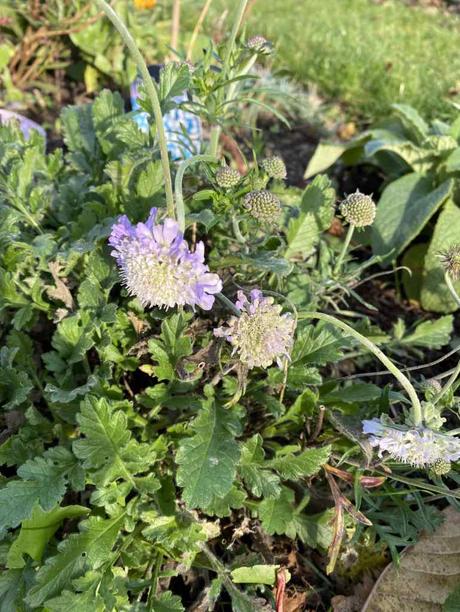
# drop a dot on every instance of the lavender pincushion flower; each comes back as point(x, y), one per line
point(418, 446)
point(158, 267)
point(261, 334)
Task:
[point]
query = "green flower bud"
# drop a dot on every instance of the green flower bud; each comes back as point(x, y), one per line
point(259, 44)
point(274, 167)
point(227, 177)
point(441, 467)
point(450, 260)
point(263, 206)
point(358, 209)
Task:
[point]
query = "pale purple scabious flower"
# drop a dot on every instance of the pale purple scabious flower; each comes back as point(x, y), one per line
point(261, 334)
point(158, 267)
point(418, 446)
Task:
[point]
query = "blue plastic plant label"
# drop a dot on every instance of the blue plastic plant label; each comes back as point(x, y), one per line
point(183, 129)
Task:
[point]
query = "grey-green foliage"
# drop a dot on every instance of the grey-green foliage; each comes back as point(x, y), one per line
point(420, 200)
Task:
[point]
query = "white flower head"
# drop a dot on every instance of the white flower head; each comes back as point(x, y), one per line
point(417, 446)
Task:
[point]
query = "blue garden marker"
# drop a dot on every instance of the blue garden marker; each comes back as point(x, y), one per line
point(183, 129)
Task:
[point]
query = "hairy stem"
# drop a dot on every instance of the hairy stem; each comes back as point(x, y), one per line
point(152, 93)
point(230, 305)
point(180, 209)
point(346, 244)
point(417, 415)
point(451, 288)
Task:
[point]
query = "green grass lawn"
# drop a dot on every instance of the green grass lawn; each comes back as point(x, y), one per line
point(364, 54)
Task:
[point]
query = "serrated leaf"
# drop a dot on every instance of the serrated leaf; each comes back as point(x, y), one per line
point(275, 514)
point(435, 294)
point(108, 449)
point(426, 574)
point(207, 460)
point(315, 215)
point(167, 602)
point(431, 334)
point(36, 532)
point(260, 481)
point(42, 481)
point(223, 506)
point(314, 530)
point(89, 548)
point(307, 463)
point(318, 345)
point(405, 207)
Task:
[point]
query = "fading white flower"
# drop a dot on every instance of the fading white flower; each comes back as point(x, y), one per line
point(418, 446)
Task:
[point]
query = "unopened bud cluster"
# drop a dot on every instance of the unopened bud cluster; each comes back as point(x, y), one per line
point(227, 177)
point(358, 209)
point(441, 467)
point(274, 167)
point(263, 205)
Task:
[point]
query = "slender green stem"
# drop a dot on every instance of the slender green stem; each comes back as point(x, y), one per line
point(345, 246)
point(230, 305)
point(216, 129)
point(417, 415)
point(236, 230)
point(451, 288)
point(453, 377)
point(152, 93)
point(180, 209)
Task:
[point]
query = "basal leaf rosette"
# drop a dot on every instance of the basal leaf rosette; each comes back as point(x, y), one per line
point(261, 335)
point(158, 267)
point(420, 447)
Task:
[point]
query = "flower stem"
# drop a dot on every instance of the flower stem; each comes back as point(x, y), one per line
point(345, 246)
point(230, 305)
point(216, 129)
point(152, 93)
point(451, 288)
point(196, 30)
point(453, 377)
point(180, 209)
point(417, 415)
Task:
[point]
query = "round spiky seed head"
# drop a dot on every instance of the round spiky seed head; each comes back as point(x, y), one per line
point(450, 259)
point(259, 44)
point(227, 177)
point(358, 209)
point(441, 467)
point(263, 206)
point(274, 167)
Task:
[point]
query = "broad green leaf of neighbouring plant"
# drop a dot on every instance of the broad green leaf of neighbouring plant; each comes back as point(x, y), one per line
point(207, 460)
point(37, 531)
point(254, 470)
point(435, 294)
point(404, 208)
point(167, 602)
point(88, 549)
point(108, 450)
point(315, 215)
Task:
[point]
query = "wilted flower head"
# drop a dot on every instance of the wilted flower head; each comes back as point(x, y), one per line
point(261, 334)
point(358, 209)
point(450, 259)
point(274, 167)
point(158, 267)
point(227, 177)
point(259, 44)
point(417, 446)
point(263, 205)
